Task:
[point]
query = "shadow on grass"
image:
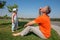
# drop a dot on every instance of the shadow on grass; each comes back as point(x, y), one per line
point(20, 24)
point(5, 24)
point(31, 33)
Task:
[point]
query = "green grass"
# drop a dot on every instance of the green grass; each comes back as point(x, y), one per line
point(6, 34)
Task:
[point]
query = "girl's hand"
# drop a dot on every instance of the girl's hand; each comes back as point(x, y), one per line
point(12, 21)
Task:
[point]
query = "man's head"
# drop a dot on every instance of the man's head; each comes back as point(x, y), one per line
point(45, 9)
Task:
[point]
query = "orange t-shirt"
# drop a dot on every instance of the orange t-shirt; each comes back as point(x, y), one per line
point(44, 25)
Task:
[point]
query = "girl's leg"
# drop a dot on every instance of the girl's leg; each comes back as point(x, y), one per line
point(13, 25)
point(37, 32)
point(16, 25)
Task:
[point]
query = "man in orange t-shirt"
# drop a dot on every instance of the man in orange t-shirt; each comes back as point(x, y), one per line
point(44, 24)
point(43, 30)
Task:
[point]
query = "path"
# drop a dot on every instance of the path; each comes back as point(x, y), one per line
point(56, 26)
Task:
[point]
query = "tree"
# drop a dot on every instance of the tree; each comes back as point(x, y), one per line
point(5, 15)
point(2, 3)
point(10, 8)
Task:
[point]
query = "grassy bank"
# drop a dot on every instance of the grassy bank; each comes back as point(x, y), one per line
point(6, 34)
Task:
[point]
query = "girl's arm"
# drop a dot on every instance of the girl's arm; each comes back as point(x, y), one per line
point(12, 18)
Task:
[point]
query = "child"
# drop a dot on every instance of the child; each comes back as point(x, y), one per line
point(14, 20)
point(43, 30)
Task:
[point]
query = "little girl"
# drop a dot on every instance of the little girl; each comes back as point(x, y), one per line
point(14, 20)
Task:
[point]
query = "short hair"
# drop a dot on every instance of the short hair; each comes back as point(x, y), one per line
point(48, 9)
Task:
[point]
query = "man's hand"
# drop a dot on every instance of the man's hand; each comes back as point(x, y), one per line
point(25, 25)
point(29, 23)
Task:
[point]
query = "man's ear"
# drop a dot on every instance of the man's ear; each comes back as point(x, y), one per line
point(47, 11)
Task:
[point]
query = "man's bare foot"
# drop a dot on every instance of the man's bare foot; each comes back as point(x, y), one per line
point(16, 34)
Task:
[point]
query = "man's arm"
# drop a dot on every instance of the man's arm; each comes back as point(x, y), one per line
point(29, 23)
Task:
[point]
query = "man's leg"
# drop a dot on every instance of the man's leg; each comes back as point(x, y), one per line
point(32, 29)
point(24, 32)
point(38, 32)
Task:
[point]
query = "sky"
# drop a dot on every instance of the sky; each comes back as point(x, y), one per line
point(30, 8)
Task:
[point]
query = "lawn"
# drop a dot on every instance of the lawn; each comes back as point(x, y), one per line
point(6, 34)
